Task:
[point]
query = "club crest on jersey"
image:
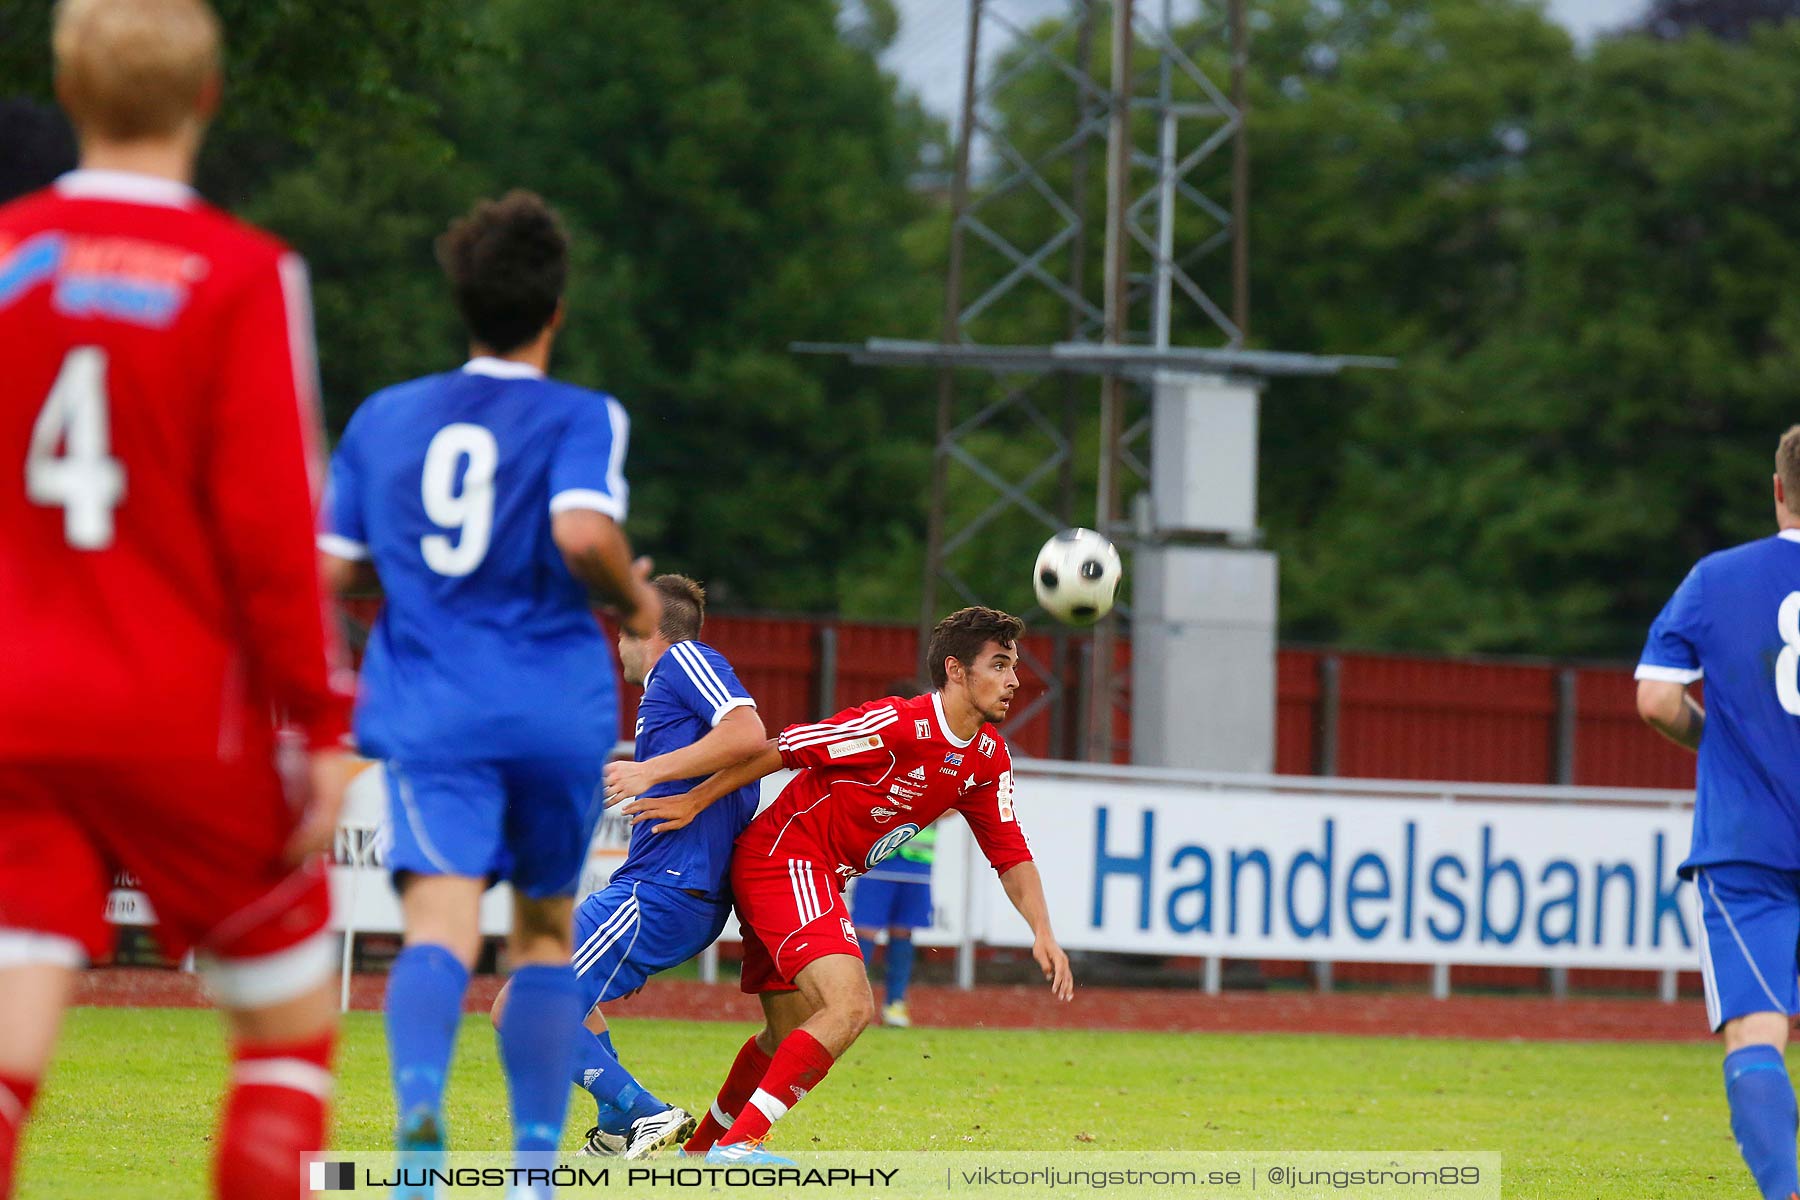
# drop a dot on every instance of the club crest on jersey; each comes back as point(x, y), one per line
point(849, 936)
point(922, 729)
point(966, 785)
point(985, 746)
point(890, 842)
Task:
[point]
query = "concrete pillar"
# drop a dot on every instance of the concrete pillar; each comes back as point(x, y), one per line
point(1203, 598)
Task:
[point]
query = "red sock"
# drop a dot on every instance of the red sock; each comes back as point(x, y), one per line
point(747, 1071)
point(274, 1112)
point(799, 1066)
point(15, 1105)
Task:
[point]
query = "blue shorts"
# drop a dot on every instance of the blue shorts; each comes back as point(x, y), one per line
point(1749, 940)
point(629, 930)
point(527, 821)
point(879, 902)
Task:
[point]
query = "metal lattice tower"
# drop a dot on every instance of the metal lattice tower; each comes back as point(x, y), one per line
point(1004, 263)
point(1029, 324)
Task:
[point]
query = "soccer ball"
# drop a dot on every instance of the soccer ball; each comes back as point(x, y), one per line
point(1077, 576)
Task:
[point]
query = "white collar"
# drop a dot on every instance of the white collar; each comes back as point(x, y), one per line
point(937, 704)
point(89, 183)
point(500, 368)
point(1789, 535)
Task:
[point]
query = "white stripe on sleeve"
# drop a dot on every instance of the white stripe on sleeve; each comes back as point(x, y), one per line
point(1667, 674)
point(686, 655)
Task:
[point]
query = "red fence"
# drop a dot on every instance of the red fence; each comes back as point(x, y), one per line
point(1365, 715)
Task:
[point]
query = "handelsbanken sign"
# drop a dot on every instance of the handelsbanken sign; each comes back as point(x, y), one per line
point(1164, 869)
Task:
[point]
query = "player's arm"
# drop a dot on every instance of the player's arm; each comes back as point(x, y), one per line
point(347, 576)
point(264, 431)
point(992, 820)
point(1670, 709)
point(853, 737)
point(595, 549)
point(738, 735)
point(1025, 888)
point(1671, 662)
point(677, 811)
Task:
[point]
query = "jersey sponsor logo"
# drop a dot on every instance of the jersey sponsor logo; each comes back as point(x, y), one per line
point(922, 729)
point(917, 775)
point(126, 279)
point(1003, 791)
point(985, 746)
point(890, 842)
point(854, 746)
point(950, 771)
point(953, 759)
point(883, 815)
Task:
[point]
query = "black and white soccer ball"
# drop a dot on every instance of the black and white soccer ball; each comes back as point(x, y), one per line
point(1077, 576)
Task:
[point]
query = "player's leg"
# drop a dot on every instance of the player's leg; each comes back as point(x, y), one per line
point(550, 810)
point(624, 934)
point(1749, 928)
point(53, 885)
point(911, 910)
point(836, 989)
point(33, 995)
point(784, 1010)
point(206, 843)
point(794, 906)
point(446, 826)
point(276, 1104)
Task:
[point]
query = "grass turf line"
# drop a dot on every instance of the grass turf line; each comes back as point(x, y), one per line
point(127, 1111)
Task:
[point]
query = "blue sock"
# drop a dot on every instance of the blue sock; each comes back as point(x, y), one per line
point(424, 1006)
point(538, 1053)
point(899, 967)
point(620, 1097)
point(612, 1120)
point(1763, 1117)
point(867, 945)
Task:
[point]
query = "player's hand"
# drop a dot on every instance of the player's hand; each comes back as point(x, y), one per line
point(675, 812)
point(320, 800)
point(1055, 965)
point(626, 779)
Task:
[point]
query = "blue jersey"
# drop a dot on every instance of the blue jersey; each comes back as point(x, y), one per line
point(486, 647)
point(688, 691)
point(1736, 618)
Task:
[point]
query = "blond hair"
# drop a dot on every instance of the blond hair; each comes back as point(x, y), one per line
point(131, 69)
point(1787, 465)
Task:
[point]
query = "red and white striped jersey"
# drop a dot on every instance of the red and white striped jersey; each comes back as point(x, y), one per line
point(873, 776)
point(159, 594)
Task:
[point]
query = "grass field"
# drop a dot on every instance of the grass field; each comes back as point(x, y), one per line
point(128, 1106)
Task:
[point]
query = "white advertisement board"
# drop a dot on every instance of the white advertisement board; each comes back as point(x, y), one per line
point(1161, 869)
point(1140, 866)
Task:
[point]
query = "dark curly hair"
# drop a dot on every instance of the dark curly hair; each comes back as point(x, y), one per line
point(507, 261)
point(963, 633)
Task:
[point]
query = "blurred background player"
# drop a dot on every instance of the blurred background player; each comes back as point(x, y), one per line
point(488, 501)
point(1736, 620)
point(869, 780)
point(896, 896)
point(670, 898)
point(159, 596)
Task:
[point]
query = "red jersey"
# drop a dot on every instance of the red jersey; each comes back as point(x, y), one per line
point(874, 775)
point(159, 594)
